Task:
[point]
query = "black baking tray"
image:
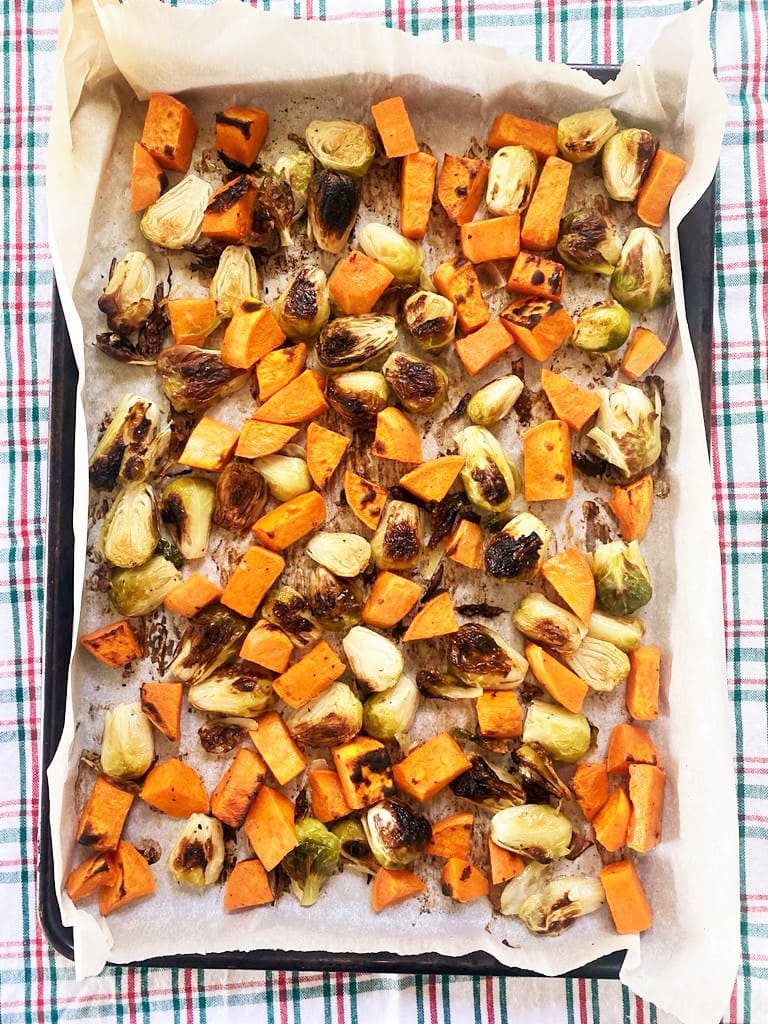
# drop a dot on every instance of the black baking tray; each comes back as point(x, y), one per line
point(697, 255)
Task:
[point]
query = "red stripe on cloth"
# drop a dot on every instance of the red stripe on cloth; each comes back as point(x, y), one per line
point(432, 995)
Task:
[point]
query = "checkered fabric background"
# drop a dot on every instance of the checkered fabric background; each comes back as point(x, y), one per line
point(38, 985)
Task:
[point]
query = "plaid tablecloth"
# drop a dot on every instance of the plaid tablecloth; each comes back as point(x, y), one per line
point(38, 985)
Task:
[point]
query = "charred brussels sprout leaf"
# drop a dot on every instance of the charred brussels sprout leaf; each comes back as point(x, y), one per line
point(211, 638)
point(193, 378)
point(332, 204)
point(240, 497)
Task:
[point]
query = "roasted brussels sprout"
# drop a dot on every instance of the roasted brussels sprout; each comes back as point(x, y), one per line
point(398, 538)
point(626, 158)
point(446, 687)
point(176, 218)
point(488, 479)
point(133, 425)
point(198, 856)
point(539, 619)
point(535, 766)
point(303, 308)
point(332, 204)
point(391, 713)
point(600, 664)
point(297, 169)
point(488, 786)
point(354, 842)
point(345, 554)
point(419, 385)
point(349, 342)
point(623, 631)
point(589, 240)
point(402, 257)
point(622, 581)
point(551, 907)
point(482, 657)
point(239, 689)
point(312, 861)
point(564, 735)
point(147, 459)
point(642, 278)
point(332, 718)
point(492, 403)
point(139, 591)
point(537, 831)
point(131, 527)
point(288, 609)
point(239, 498)
point(286, 476)
point(187, 507)
point(627, 432)
point(221, 735)
point(519, 549)
point(129, 296)
point(511, 180)
point(373, 659)
point(431, 319)
point(335, 603)
point(168, 550)
point(396, 836)
point(127, 744)
point(358, 397)
point(193, 378)
point(342, 146)
point(212, 637)
point(603, 327)
point(236, 279)
point(582, 136)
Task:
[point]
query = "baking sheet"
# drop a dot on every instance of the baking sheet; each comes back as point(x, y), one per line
point(475, 83)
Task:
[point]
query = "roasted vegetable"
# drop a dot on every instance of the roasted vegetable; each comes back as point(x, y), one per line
point(176, 218)
point(666, 172)
point(391, 713)
point(589, 240)
point(621, 577)
point(358, 397)
point(240, 497)
point(131, 428)
point(345, 554)
point(518, 550)
point(603, 327)
point(303, 308)
point(626, 158)
point(600, 664)
point(488, 786)
point(186, 506)
point(488, 478)
point(582, 136)
point(349, 342)
point(198, 856)
point(536, 767)
point(297, 169)
point(240, 689)
point(624, 632)
point(564, 735)
point(342, 146)
point(286, 476)
point(236, 279)
point(139, 591)
point(420, 386)
point(193, 378)
point(374, 659)
point(539, 619)
point(129, 296)
point(431, 319)
point(288, 609)
point(354, 843)
point(402, 257)
point(394, 127)
point(446, 687)
point(127, 743)
point(335, 603)
point(492, 403)
point(549, 908)
point(332, 718)
point(312, 861)
point(332, 204)
point(482, 657)
point(511, 180)
point(396, 836)
point(627, 432)
point(131, 527)
point(537, 831)
point(642, 278)
point(398, 538)
point(212, 637)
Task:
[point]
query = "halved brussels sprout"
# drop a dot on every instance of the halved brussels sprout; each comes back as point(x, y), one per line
point(391, 713)
point(492, 403)
point(517, 891)
point(332, 204)
point(482, 657)
point(131, 527)
point(488, 479)
point(601, 665)
point(488, 785)
point(335, 603)
point(288, 609)
point(627, 432)
point(297, 169)
point(127, 744)
point(603, 327)
point(147, 458)
point(221, 735)
point(342, 146)
point(236, 279)
point(396, 544)
point(187, 507)
point(589, 240)
point(402, 257)
point(535, 765)
point(212, 637)
point(622, 581)
point(332, 718)
point(511, 180)
point(539, 619)
point(431, 319)
point(240, 497)
point(286, 476)
point(239, 689)
point(420, 386)
point(396, 836)
point(358, 397)
point(312, 861)
point(537, 831)
point(129, 296)
point(345, 554)
point(446, 687)
point(623, 631)
point(642, 278)
point(349, 342)
point(626, 158)
point(548, 909)
point(303, 308)
point(193, 378)
point(565, 736)
point(139, 591)
point(374, 659)
point(354, 842)
point(175, 220)
point(132, 425)
point(198, 856)
point(519, 549)
point(582, 136)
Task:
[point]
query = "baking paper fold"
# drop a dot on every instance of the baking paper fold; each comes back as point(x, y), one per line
point(109, 56)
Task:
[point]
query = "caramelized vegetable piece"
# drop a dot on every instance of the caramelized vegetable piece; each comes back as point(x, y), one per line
point(629, 744)
point(627, 902)
point(191, 595)
point(462, 881)
point(147, 178)
point(560, 683)
point(452, 836)
point(93, 874)
point(290, 521)
point(396, 437)
point(247, 886)
point(436, 618)
point(461, 186)
point(358, 282)
point(101, 823)
point(494, 239)
point(539, 326)
point(234, 794)
point(267, 645)
point(192, 320)
point(277, 369)
point(642, 693)
point(269, 826)
point(301, 400)
point(542, 219)
point(646, 795)
point(612, 820)
point(590, 786)
point(365, 772)
point(258, 439)
point(483, 347)
point(642, 353)
point(161, 703)
point(310, 675)
point(569, 573)
point(210, 445)
point(499, 715)
point(240, 134)
point(509, 130)
point(664, 175)
point(327, 796)
point(251, 334)
point(169, 132)
point(228, 216)
point(325, 450)
point(430, 767)
point(390, 600)
point(504, 864)
point(633, 506)
point(271, 738)
point(394, 126)
point(175, 788)
point(114, 644)
point(417, 187)
point(465, 545)
point(548, 470)
point(250, 581)
point(131, 880)
point(535, 275)
point(365, 498)
point(457, 281)
point(432, 480)
point(573, 405)
point(390, 887)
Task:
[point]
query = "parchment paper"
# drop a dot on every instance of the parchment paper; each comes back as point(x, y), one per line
point(687, 962)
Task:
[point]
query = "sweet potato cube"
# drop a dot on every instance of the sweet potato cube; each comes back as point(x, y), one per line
point(392, 886)
point(192, 595)
point(417, 188)
point(240, 134)
point(462, 881)
point(633, 507)
point(612, 820)
point(465, 545)
point(626, 899)
point(396, 437)
point(432, 480)
point(541, 225)
point(251, 333)
point(310, 675)
point(573, 405)
point(509, 130)
point(297, 402)
point(175, 788)
point(394, 127)
point(325, 450)
point(147, 179)
point(290, 521)
point(271, 738)
point(390, 600)
point(192, 320)
point(169, 132)
point(666, 172)
point(258, 439)
point(328, 801)
point(495, 239)
point(646, 795)
point(101, 823)
point(561, 684)
point(267, 645)
point(629, 744)
point(540, 327)
point(358, 282)
point(161, 703)
point(131, 881)
point(499, 715)
point(534, 275)
point(90, 876)
point(461, 186)
point(483, 347)
point(457, 281)
point(250, 581)
point(644, 350)
point(234, 794)
point(210, 445)
point(114, 644)
point(504, 864)
point(247, 886)
point(643, 683)
point(436, 618)
point(590, 787)
point(228, 216)
point(365, 771)
point(430, 767)
point(365, 498)
point(277, 369)
point(547, 463)
point(452, 836)
point(269, 826)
